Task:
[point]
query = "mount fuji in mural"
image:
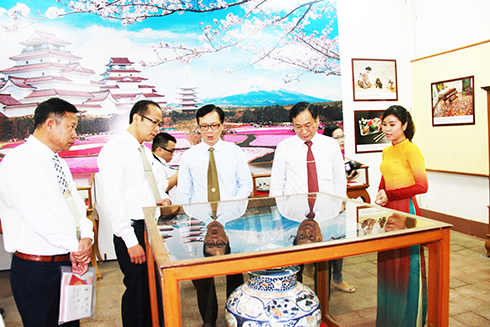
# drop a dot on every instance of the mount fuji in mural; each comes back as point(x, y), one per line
point(260, 91)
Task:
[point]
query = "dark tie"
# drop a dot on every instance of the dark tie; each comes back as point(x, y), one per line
point(312, 178)
point(213, 185)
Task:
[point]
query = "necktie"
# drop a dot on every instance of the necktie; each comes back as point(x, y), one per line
point(60, 176)
point(149, 174)
point(312, 178)
point(213, 185)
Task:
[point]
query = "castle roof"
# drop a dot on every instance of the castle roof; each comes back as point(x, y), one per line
point(33, 66)
point(7, 100)
point(58, 92)
point(119, 61)
point(44, 52)
point(17, 81)
point(40, 37)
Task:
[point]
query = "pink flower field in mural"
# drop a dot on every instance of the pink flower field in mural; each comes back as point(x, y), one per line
point(268, 140)
point(82, 157)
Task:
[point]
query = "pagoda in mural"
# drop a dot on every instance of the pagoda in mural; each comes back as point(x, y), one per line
point(42, 70)
point(122, 86)
point(189, 101)
point(46, 69)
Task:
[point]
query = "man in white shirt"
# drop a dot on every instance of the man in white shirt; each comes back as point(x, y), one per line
point(234, 182)
point(235, 179)
point(127, 189)
point(43, 216)
point(163, 148)
point(290, 173)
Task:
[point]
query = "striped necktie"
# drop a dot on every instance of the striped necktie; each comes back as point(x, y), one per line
point(63, 183)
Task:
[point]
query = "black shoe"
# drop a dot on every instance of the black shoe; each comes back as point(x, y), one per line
point(1, 311)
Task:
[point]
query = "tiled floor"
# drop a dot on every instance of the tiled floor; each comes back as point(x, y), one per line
point(469, 295)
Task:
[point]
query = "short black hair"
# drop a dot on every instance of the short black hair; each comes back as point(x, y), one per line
point(53, 107)
point(161, 141)
point(329, 129)
point(204, 110)
point(141, 108)
point(404, 116)
point(300, 107)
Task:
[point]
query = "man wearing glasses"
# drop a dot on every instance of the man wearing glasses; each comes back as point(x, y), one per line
point(163, 147)
point(126, 187)
point(234, 182)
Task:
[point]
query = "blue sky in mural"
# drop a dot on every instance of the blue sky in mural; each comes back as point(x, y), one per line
point(96, 40)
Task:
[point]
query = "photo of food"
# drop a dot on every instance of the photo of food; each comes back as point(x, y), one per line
point(369, 131)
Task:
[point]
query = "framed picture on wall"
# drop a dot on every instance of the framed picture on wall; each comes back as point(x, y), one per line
point(453, 102)
point(369, 135)
point(374, 80)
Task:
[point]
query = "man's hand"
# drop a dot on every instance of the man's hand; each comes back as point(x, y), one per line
point(164, 202)
point(81, 258)
point(137, 254)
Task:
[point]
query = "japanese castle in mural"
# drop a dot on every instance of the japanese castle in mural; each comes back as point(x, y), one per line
point(45, 69)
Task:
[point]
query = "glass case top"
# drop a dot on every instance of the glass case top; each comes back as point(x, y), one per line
point(208, 229)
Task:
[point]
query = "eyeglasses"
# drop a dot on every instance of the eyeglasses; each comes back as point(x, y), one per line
point(205, 127)
point(169, 150)
point(298, 129)
point(218, 244)
point(155, 122)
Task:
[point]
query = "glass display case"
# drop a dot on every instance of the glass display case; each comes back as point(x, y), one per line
point(269, 232)
point(261, 178)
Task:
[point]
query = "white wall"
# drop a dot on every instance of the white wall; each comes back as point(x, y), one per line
point(376, 29)
point(407, 30)
point(443, 25)
point(439, 26)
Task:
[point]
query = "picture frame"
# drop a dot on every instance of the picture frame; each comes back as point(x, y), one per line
point(371, 220)
point(368, 133)
point(453, 102)
point(374, 80)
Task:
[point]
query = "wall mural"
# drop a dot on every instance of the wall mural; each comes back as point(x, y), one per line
point(255, 59)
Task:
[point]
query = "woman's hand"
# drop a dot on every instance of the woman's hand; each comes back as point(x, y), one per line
point(381, 198)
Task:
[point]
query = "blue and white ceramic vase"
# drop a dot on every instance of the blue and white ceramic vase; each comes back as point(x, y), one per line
point(273, 298)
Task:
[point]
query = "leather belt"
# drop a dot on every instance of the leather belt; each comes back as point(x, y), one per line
point(43, 258)
point(138, 222)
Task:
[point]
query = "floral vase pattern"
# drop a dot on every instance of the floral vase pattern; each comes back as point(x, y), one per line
point(273, 298)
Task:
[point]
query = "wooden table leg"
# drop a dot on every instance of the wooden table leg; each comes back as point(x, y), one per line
point(93, 216)
point(323, 292)
point(438, 282)
point(171, 299)
point(150, 260)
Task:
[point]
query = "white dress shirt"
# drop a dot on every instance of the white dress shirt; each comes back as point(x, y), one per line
point(126, 188)
point(289, 173)
point(234, 177)
point(35, 216)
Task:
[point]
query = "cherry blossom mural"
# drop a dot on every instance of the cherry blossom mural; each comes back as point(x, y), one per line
point(243, 55)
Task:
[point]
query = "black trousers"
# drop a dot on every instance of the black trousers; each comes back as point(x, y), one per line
point(36, 290)
point(135, 304)
point(206, 295)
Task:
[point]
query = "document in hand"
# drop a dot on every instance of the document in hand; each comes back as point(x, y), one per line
point(77, 298)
